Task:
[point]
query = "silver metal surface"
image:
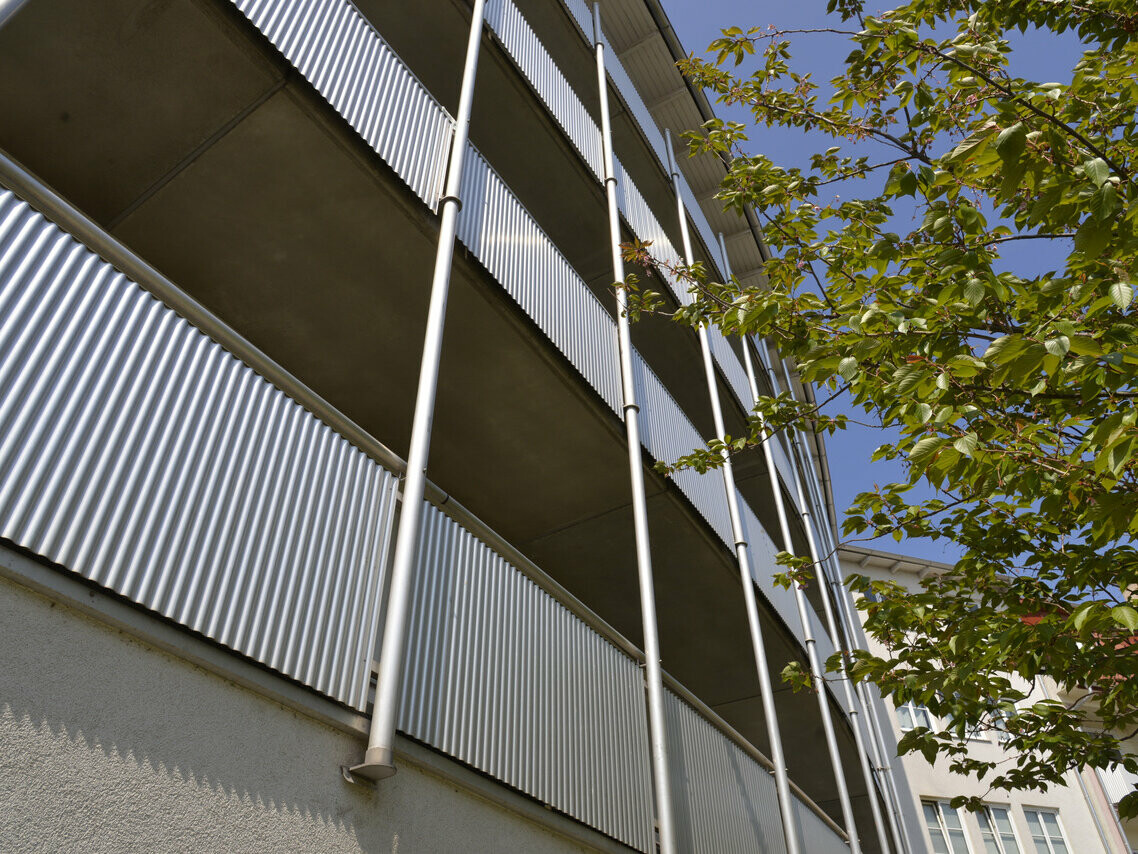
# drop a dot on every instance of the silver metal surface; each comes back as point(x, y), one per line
point(622, 758)
point(653, 675)
point(860, 710)
point(8, 8)
point(378, 760)
point(508, 242)
point(532, 59)
point(416, 152)
point(766, 690)
point(503, 236)
point(725, 802)
point(338, 51)
point(567, 110)
point(853, 709)
point(810, 634)
point(503, 677)
point(739, 537)
point(138, 453)
point(817, 837)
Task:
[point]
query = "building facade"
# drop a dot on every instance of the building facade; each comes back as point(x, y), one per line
point(226, 230)
point(1078, 817)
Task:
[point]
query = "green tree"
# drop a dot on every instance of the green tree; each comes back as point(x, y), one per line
point(1010, 394)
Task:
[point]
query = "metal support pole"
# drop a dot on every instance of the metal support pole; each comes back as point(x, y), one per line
point(654, 676)
point(742, 556)
point(8, 8)
point(831, 573)
point(895, 814)
point(379, 760)
point(836, 640)
point(807, 630)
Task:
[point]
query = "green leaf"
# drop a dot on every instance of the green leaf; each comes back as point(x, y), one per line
point(924, 450)
point(847, 367)
point(1097, 171)
point(1125, 616)
point(1092, 237)
point(966, 444)
point(1082, 614)
point(1010, 143)
point(1104, 202)
point(1057, 346)
point(1128, 806)
point(1122, 294)
point(973, 145)
point(974, 291)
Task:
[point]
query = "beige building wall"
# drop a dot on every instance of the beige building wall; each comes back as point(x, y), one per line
point(109, 743)
point(1086, 832)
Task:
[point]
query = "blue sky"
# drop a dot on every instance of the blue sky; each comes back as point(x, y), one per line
point(1037, 57)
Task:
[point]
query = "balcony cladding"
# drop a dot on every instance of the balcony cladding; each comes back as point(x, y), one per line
point(505, 238)
point(343, 57)
point(725, 801)
point(502, 676)
point(524, 47)
point(497, 228)
point(141, 455)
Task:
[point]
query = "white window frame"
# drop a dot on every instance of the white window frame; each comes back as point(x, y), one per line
point(987, 817)
point(913, 708)
point(940, 807)
point(1027, 811)
point(1000, 718)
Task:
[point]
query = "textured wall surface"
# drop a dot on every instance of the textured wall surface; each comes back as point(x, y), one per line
point(109, 745)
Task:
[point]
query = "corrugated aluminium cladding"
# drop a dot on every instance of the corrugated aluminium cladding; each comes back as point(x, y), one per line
point(504, 677)
point(512, 246)
point(130, 434)
point(497, 228)
point(137, 452)
point(140, 454)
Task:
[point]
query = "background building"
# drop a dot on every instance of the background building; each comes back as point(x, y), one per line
point(218, 224)
point(1076, 818)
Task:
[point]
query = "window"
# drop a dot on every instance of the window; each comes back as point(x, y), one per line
point(1000, 718)
point(997, 832)
point(976, 734)
point(912, 715)
point(1046, 832)
point(945, 830)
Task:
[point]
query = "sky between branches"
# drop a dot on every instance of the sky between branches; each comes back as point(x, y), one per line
point(1042, 57)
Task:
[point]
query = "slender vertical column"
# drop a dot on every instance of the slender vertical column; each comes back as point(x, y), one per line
point(379, 760)
point(8, 8)
point(742, 552)
point(836, 640)
point(807, 630)
point(656, 726)
point(833, 578)
point(877, 752)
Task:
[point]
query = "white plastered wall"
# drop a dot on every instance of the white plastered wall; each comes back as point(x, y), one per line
point(109, 744)
point(929, 781)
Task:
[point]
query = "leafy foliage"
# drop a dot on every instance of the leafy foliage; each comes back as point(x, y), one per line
point(1010, 390)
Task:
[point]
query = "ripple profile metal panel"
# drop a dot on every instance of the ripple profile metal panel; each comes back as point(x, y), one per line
point(724, 801)
point(569, 112)
point(667, 434)
point(339, 52)
point(817, 836)
point(497, 228)
point(504, 678)
point(523, 45)
point(138, 453)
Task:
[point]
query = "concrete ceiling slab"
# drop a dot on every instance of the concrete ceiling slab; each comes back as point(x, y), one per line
point(105, 105)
